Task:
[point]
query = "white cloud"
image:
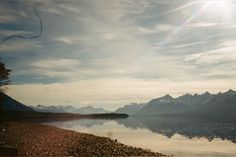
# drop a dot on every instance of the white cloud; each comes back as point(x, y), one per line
point(143, 30)
point(179, 46)
point(51, 10)
point(13, 32)
point(135, 6)
point(75, 39)
point(7, 19)
point(70, 8)
point(226, 53)
point(66, 40)
point(164, 28)
point(56, 63)
point(193, 57)
point(59, 68)
point(108, 36)
point(16, 45)
point(203, 24)
point(156, 29)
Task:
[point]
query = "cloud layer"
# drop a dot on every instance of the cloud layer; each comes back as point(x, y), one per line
point(142, 41)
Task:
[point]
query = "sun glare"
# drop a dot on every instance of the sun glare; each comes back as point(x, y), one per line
point(218, 6)
point(219, 9)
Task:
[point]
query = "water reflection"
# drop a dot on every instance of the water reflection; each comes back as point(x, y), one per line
point(190, 128)
point(178, 136)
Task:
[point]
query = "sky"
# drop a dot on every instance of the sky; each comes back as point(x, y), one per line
point(108, 53)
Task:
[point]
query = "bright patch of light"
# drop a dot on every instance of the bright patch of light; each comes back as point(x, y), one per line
point(218, 6)
point(219, 9)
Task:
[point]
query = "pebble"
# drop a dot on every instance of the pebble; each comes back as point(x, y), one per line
point(42, 140)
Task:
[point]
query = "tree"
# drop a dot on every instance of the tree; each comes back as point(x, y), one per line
point(4, 80)
point(4, 76)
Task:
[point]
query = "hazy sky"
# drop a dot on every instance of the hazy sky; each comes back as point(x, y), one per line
point(113, 52)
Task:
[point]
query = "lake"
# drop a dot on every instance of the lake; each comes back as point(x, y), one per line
point(181, 137)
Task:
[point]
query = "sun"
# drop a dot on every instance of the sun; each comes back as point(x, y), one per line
point(219, 9)
point(218, 5)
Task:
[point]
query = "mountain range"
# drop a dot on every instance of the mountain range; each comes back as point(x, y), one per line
point(221, 104)
point(10, 104)
point(130, 109)
point(69, 109)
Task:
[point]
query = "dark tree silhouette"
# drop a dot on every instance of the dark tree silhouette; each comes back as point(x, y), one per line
point(4, 76)
point(4, 80)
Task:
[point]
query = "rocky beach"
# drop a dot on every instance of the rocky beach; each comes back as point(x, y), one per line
point(41, 140)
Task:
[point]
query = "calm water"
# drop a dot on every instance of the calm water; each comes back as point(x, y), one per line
point(179, 137)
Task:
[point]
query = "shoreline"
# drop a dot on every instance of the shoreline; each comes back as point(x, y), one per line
point(43, 140)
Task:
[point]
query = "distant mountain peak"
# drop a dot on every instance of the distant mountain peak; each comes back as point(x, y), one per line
point(186, 95)
point(167, 96)
point(130, 109)
point(207, 93)
point(230, 91)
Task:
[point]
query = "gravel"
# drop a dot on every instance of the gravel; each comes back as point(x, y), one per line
point(42, 140)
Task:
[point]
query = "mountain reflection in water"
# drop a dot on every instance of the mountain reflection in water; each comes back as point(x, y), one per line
point(189, 128)
point(149, 132)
